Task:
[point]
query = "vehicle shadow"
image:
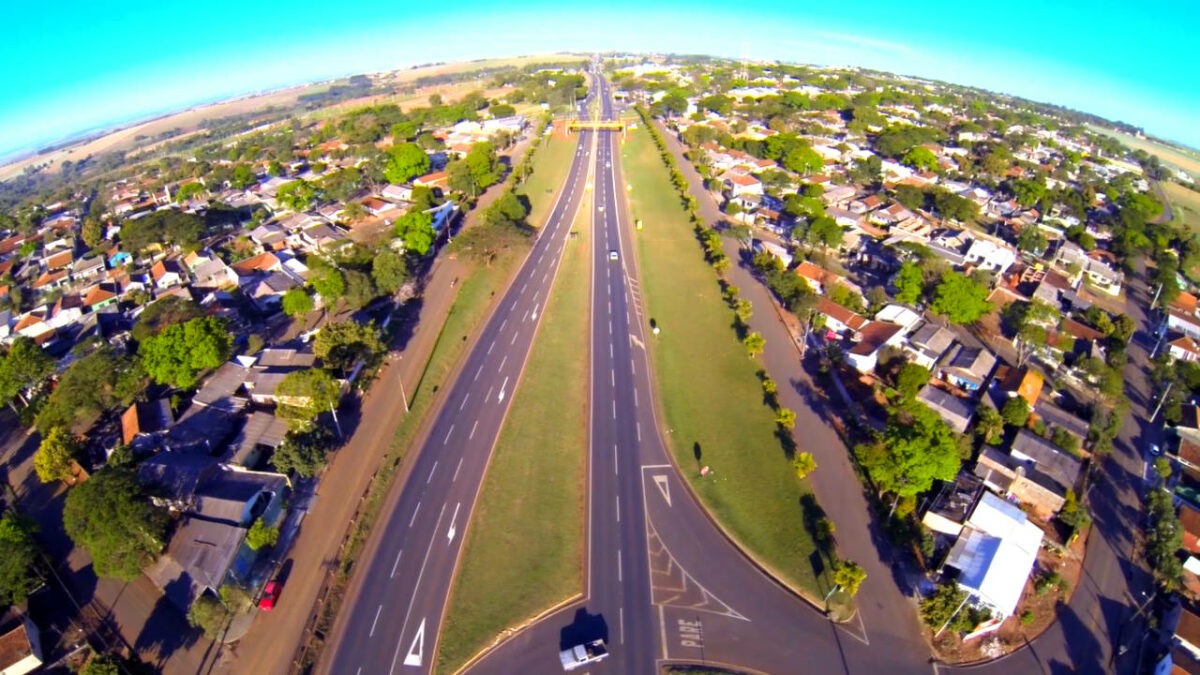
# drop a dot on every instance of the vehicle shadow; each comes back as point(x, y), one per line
point(584, 628)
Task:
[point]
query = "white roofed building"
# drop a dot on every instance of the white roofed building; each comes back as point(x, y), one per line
point(994, 554)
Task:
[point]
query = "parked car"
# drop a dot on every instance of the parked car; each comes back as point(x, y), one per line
point(269, 596)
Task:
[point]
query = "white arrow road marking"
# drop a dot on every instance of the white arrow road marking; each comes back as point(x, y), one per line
point(450, 534)
point(417, 649)
point(661, 481)
point(535, 309)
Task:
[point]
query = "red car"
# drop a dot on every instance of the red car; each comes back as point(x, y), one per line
point(270, 593)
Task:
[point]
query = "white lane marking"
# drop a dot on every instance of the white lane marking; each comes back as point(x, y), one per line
point(660, 479)
point(396, 564)
point(418, 643)
point(535, 309)
point(417, 649)
point(502, 362)
point(489, 351)
point(447, 438)
point(620, 576)
point(431, 471)
point(639, 432)
point(526, 317)
point(610, 326)
point(544, 275)
point(632, 368)
point(612, 374)
point(535, 297)
point(614, 406)
point(453, 519)
point(464, 402)
point(456, 469)
point(414, 515)
point(635, 398)
point(618, 508)
point(503, 324)
point(376, 621)
point(523, 287)
point(478, 372)
point(500, 396)
point(610, 351)
point(610, 306)
point(472, 431)
point(513, 341)
point(621, 622)
point(489, 394)
point(616, 469)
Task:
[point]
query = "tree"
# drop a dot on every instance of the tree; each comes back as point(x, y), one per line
point(209, 615)
point(804, 464)
point(824, 232)
point(100, 664)
point(786, 418)
point(910, 284)
point(260, 534)
point(848, 576)
point(164, 312)
point(92, 232)
point(298, 195)
point(415, 229)
point(57, 451)
point(297, 302)
point(920, 158)
point(26, 366)
point(1028, 192)
point(360, 289)
point(405, 162)
point(91, 385)
point(1015, 412)
point(110, 517)
point(754, 343)
point(327, 281)
point(1032, 240)
point(242, 177)
point(304, 394)
point(502, 110)
point(180, 353)
point(19, 565)
point(916, 449)
point(189, 190)
point(846, 297)
point(960, 299)
point(477, 171)
point(911, 378)
point(803, 160)
point(988, 424)
point(943, 605)
point(303, 452)
point(340, 344)
point(389, 270)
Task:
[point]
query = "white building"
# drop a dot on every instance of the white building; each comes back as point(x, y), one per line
point(995, 554)
point(989, 255)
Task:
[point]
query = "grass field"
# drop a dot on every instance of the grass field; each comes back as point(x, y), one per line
point(524, 550)
point(1185, 204)
point(554, 161)
point(708, 386)
point(1181, 158)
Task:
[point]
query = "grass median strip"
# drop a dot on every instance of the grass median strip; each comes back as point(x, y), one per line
point(712, 399)
point(524, 549)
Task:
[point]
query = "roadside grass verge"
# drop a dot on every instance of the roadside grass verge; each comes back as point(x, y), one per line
point(478, 286)
point(524, 548)
point(553, 161)
point(711, 396)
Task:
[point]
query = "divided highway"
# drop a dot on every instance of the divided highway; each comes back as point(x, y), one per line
point(394, 610)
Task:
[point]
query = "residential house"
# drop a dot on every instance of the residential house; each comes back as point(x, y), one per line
point(59, 261)
point(1104, 276)
point(1184, 349)
point(33, 324)
point(1050, 459)
point(873, 337)
point(994, 555)
point(167, 273)
point(88, 269)
point(817, 277)
point(20, 644)
point(66, 311)
point(259, 265)
point(99, 296)
point(742, 184)
point(433, 180)
point(262, 432)
point(266, 292)
point(968, 367)
point(1181, 322)
point(320, 238)
point(397, 193)
point(1036, 473)
point(142, 423)
point(1189, 423)
point(948, 512)
point(1189, 520)
point(49, 281)
point(990, 255)
point(954, 411)
point(839, 319)
point(269, 237)
point(214, 273)
point(865, 204)
point(928, 343)
point(1055, 417)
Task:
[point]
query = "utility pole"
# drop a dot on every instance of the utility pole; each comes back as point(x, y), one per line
point(1162, 400)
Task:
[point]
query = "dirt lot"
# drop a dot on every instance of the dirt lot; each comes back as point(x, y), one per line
point(190, 119)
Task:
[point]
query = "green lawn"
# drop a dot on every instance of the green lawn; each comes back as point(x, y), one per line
point(1185, 203)
point(708, 386)
point(524, 550)
point(552, 163)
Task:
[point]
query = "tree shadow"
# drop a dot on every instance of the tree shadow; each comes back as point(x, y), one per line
point(1083, 650)
point(166, 629)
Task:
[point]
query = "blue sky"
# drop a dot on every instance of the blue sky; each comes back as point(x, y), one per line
point(88, 63)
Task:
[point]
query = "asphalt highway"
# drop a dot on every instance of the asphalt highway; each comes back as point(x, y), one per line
point(391, 621)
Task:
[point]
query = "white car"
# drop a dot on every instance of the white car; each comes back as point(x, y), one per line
point(613, 255)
